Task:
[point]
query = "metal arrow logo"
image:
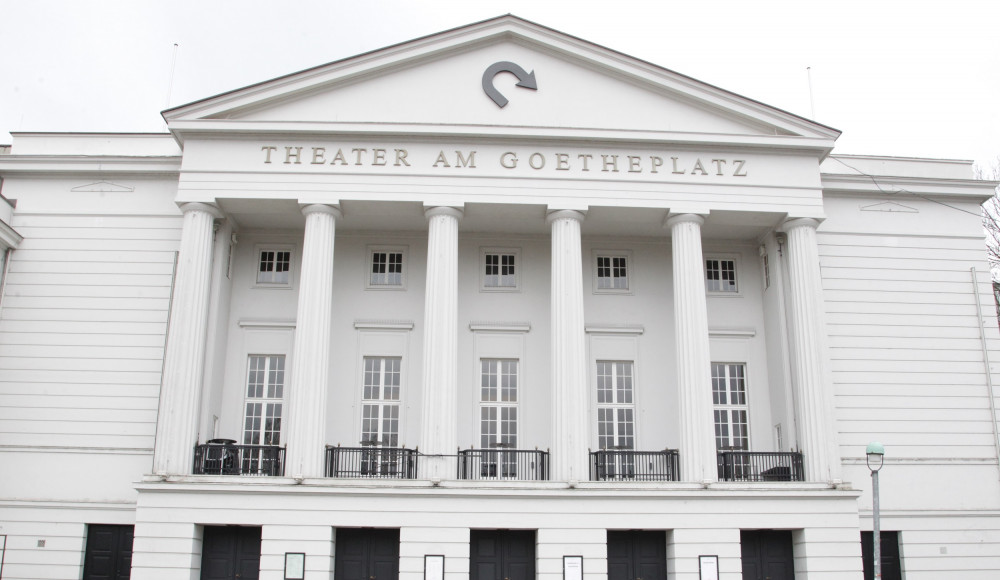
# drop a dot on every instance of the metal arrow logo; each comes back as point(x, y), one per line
point(525, 80)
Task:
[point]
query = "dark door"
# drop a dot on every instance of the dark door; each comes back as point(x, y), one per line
point(767, 555)
point(891, 570)
point(230, 553)
point(502, 555)
point(109, 552)
point(367, 554)
point(637, 555)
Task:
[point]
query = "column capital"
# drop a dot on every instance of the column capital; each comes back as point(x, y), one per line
point(559, 214)
point(680, 218)
point(208, 208)
point(333, 210)
point(455, 212)
point(792, 223)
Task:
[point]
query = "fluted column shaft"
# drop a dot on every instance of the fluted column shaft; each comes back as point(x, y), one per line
point(568, 460)
point(813, 394)
point(694, 376)
point(440, 376)
point(184, 357)
point(307, 393)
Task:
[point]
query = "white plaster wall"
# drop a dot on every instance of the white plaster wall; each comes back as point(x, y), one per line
point(568, 522)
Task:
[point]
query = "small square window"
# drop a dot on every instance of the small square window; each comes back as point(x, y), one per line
point(386, 268)
point(612, 272)
point(720, 274)
point(274, 266)
point(500, 269)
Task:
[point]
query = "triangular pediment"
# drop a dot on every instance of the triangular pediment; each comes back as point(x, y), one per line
point(441, 84)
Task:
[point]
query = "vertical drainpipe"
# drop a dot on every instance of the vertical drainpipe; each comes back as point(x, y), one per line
point(986, 361)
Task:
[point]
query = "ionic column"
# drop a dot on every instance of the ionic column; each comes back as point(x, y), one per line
point(694, 373)
point(307, 390)
point(568, 461)
point(440, 378)
point(184, 357)
point(813, 395)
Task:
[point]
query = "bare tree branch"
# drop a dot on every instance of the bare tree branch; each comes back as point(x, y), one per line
point(991, 217)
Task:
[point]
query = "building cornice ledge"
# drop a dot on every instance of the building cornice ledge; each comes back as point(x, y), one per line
point(47, 164)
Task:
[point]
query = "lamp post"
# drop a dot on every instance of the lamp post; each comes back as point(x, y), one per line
point(876, 453)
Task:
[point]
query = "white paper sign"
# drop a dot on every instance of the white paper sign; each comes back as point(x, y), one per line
point(433, 567)
point(572, 567)
point(708, 567)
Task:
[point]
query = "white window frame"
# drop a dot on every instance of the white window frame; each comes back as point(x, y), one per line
point(729, 407)
point(258, 250)
point(386, 366)
point(616, 405)
point(499, 404)
point(735, 259)
point(270, 374)
point(370, 263)
point(501, 465)
point(516, 276)
point(597, 255)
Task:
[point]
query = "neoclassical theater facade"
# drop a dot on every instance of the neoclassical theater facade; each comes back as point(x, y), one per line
point(492, 304)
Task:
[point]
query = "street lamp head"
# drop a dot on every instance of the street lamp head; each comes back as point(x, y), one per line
point(875, 453)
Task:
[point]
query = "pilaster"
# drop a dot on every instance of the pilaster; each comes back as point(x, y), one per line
point(440, 372)
point(694, 377)
point(184, 357)
point(306, 426)
point(568, 460)
point(813, 394)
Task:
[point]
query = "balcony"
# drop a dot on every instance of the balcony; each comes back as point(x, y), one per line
point(225, 457)
point(371, 462)
point(629, 465)
point(503, 464)
point(759, 466)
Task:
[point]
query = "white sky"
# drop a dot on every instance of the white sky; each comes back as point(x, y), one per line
point(898, 77)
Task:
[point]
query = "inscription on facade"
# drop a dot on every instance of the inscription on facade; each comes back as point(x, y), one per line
point(621, 163)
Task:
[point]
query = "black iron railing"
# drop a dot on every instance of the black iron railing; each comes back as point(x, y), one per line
point(760, 466)
point(501, 464)
point(230, 459)
point(375, 461)
point(630, 465)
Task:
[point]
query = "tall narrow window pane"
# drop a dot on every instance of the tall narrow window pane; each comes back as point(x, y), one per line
point(265, 389)
point(615, 407)
point(380, 401)
point(730, 398)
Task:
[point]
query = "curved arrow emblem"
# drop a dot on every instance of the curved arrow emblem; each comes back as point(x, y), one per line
point(525, 79)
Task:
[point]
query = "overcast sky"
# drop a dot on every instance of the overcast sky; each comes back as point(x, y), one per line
point(898, 77)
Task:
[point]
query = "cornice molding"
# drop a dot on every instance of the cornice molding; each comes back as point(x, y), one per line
point(77, 164)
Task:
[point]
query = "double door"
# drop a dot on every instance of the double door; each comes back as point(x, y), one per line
point(109, 552)
point(637, 555)
point(502, 555)
point(230, 553)
point(367, 554)
point(767, 555)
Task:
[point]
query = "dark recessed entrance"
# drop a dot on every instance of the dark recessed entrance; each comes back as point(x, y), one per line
point(230, 553)
point(889, 546)
point(367, 554)
point(637, 555)
point(109, 552)
point(502, 555)
point(767, 555)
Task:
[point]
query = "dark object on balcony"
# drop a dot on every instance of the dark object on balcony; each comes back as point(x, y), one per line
point(503, 464)
point(224, 457)
point(371, 461)
point(630, 465)
point(738, 465)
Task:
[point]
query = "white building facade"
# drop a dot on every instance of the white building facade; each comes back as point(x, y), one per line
point(400, 317)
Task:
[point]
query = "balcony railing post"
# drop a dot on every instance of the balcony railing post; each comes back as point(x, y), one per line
point(753, 466)
point(631, 465)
